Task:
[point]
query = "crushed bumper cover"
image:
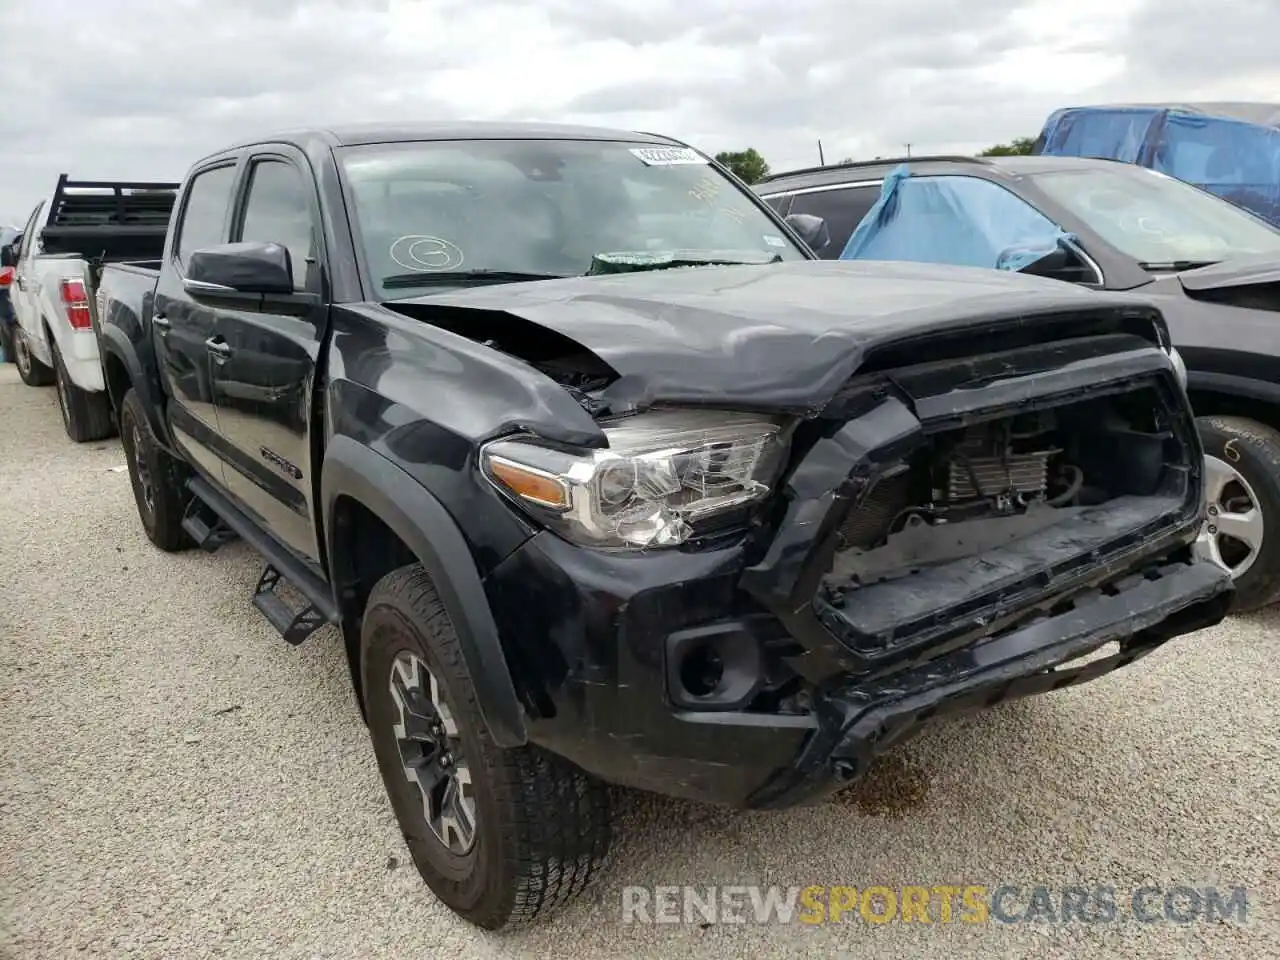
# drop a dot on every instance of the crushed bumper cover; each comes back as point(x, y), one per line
point(890, 627)
point(861, 720)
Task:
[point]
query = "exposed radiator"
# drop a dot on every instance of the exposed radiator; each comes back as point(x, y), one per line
point(1026, 473)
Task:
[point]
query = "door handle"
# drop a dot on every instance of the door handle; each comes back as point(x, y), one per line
point(220, 349)
point(161, 322)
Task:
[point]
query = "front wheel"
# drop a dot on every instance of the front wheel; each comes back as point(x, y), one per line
point(1242, 523)
point(500, 836)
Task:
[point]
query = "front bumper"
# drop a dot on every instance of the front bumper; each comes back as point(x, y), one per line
point(596, 640)
point(587, 637)
point(859, 721)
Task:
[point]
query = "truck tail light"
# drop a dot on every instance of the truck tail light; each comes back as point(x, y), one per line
point(76, 299)
point(6, 276)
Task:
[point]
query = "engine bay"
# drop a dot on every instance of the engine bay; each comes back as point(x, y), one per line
point(989, 484)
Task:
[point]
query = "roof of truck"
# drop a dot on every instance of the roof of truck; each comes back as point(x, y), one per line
point(346, 135)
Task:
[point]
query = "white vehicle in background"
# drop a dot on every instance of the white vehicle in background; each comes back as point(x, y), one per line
point(57, 262)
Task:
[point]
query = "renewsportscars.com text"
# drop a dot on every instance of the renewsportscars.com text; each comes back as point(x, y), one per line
point(937, 903)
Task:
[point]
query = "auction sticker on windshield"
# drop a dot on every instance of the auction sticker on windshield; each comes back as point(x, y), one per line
point(667, 156)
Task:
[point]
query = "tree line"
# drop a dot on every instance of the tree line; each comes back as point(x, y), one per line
point(750, 166)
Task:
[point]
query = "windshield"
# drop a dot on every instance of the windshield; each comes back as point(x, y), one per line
point(1156, 219)
point(519, 209)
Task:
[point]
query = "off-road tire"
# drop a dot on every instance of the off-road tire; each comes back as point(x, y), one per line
point(86, 414)
point(1253, 450)
point(162, 521)
point(542, 824)
point(30, 369)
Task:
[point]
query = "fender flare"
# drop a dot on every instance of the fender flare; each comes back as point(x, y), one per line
point(114, 342)
point(1246, 388)
point(405, 506)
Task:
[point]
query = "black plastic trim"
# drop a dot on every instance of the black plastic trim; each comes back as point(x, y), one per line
point(353, 470)
point(114, 341)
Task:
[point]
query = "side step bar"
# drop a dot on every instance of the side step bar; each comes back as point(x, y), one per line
point(205, 527)
point(281, 565)
point(294, 627)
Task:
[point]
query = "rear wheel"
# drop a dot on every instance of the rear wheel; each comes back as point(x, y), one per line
point(86, 415)
point(500, 836)
point(1242, 524)
point(159, 480)
point(32, 371)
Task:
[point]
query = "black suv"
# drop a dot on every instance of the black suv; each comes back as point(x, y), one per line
point(604, 479)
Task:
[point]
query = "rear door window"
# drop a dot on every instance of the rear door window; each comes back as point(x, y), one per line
point(843, 209)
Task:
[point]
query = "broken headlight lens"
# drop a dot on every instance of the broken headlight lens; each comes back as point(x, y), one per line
point(662, 472)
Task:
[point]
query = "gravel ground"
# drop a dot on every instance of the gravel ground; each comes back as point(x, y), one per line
point(178, 782)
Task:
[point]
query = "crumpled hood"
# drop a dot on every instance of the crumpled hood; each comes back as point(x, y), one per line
point(784, 336)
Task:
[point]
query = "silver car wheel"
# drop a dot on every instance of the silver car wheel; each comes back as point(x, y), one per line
point(1233, 528)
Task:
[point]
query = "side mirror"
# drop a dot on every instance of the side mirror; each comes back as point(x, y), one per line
point(812, 230)
point(261, 268)
point(1060, 263)
point(9, 254)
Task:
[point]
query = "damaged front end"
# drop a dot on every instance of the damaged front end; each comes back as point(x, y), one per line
point(757, 604)
point(959, 529)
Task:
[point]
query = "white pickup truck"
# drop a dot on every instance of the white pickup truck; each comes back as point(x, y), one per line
point(57, 262)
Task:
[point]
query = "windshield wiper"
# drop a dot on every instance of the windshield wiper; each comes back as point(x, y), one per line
point(461, 277)
point(1176, 264)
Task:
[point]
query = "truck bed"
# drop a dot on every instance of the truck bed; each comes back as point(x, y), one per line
point(127, 289)
point(106, 220)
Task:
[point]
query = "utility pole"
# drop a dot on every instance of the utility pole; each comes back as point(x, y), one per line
point(821, 160)
point(908, 151)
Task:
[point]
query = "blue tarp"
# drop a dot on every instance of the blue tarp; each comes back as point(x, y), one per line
point(1119, 133)
point(1237, 161)
point(1229, 156)
point(952, 219)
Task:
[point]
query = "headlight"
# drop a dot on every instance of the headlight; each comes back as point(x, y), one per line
point(1179, 366)
point(662, 472)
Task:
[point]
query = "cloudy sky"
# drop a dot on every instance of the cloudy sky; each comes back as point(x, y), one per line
point(141, 88)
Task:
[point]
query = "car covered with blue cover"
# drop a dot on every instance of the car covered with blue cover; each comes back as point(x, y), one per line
point(1230, 149)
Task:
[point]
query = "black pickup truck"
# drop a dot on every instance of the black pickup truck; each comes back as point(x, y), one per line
point(604, 478)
